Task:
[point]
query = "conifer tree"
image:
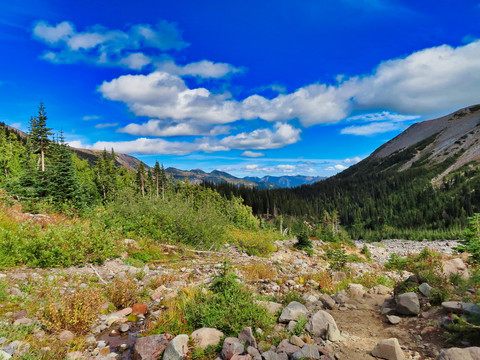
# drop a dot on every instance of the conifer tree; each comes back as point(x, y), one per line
point(156, 173)
point(39, 133)
point(141, 178)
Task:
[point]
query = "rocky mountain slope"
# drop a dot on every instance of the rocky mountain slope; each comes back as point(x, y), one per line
point(287, 181)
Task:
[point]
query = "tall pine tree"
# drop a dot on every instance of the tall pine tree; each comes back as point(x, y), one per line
point(39, 133)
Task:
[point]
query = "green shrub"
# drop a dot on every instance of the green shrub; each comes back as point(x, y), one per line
point(366, 251)
point(3, 290)
point(471, 243)
point(303, 240)
point(299, 328)
point(338, 258)
point(292, 296)
point(438, 295)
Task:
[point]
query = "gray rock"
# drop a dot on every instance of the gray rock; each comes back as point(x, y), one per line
point(355, 291)
point(3, 340)
point(292, 311)
point(23, 321)
point(150, 347)
point(461, 307)
point(231, 346)
point(380, 290)
point(246, 337)
point(206, 336)
point(425, 289)
point(66, 335)
point(455, 266)
point(271, 355)
point(408, 304)
point(295, 340)
point(327, 301)
point(176, 349)
point(286, 347)
point(388, 349)
point(253, 352)
point(12, 348)
point(4, 355)
point(333, 334)
point(319, 322)
point(74, 355)
point(272, 307)
point(470, 353)
point(394, 320)
point(124, 328)
point(307, 352)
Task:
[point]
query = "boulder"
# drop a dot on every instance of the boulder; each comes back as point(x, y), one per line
point(231, 346)
point(425, 289)
point(150, 347)
point(241, 357)
point(355, 291)
point(23, 321)
point(408, 304)
point(470, 353)
point(333, 334)
point(309, 352)
point(388, 349)
point(246, 337)
point(461, 307)
point(293, 311)
point(380, 290)
point(341, 298)
point(176, 349)
point(271, 355)
point(455, 266)
point(286, 347)
point(206, 336)
point(327, 301)
point(295, 340)
point(319, 323)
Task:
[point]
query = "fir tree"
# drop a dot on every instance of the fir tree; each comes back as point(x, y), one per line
point(39, 133)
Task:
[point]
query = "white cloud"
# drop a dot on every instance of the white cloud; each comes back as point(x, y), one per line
point(251, 167)
point(105, 125)
point(262, 139)
point(102, 46)
point(252, 154)
point(428, 82)
point(353, 160)
point(373, 128)
point(383, 116)
point(336, 167)
point(91, 117)
point(78, 144)
point(204, 69)
point(259, 139)
point(155, 127)
point(283, 168)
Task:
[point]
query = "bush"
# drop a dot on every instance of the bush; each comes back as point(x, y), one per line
point(228, 306)
point(303, 240)
point(255, 243)
point(338, 259)
point(3, 290)
point(76, 311)
point(471, 243)
point(123, 292)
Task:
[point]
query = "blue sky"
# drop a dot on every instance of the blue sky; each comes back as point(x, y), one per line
point(249, 87)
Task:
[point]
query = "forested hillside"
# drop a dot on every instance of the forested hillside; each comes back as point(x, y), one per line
point(419, 185)
point(104, 203)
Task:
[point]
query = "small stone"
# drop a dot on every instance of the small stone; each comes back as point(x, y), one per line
point(139, 309)
point(124, 312)
point(231, 346)
point(105, 351)
point(295, 340)
point(20, 314)
point(470, 353)
point(23, 321)
point(124, 328)
point(388, 349)
point(288, 348)
point(425, 289)
point(66, 335)
point(246, 337)
point(73, 355)
point(327, 301)
point(150, 347)
point(307, 352)
point(461, 307)
point(394, 320)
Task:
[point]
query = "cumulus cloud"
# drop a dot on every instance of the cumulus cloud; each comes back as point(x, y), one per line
point(282, 168)
point(353, 160)
point(262, 139)
point(91, 117)
point(383, 116)
point(204, 69)
point(259, 139)
point(105, 125)
point(373, 128)
point(336, 167)
point(252, 154)
point(427, 82)
point(164, 128)
point(100, 45)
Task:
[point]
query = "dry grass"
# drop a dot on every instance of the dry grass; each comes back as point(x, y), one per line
point(163, 279)
point(76, 311)
point(123, 292)
point(254, 272)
